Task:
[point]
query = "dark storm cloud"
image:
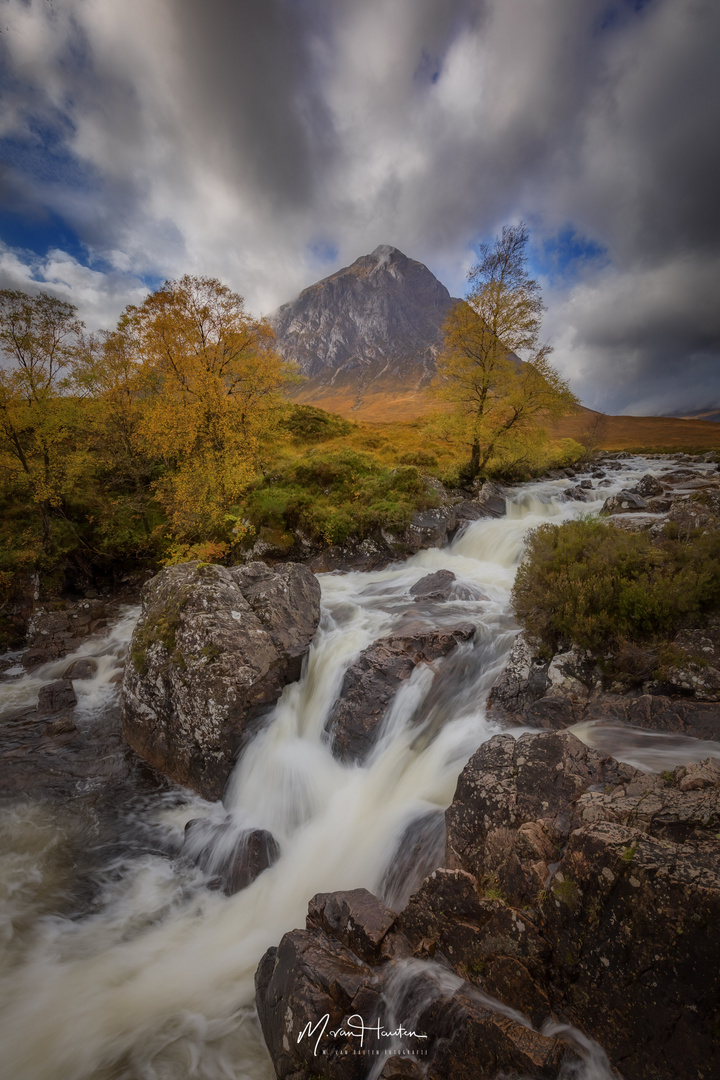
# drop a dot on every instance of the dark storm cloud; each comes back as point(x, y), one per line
point(270, 142)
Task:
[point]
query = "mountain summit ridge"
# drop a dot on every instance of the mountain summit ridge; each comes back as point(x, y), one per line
point(372, 327)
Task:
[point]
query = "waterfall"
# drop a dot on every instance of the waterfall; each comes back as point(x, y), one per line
point(155, 980)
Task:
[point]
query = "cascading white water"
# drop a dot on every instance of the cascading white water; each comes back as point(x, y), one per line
point(156, 982)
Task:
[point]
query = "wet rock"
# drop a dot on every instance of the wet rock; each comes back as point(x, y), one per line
point(420, 850)
point(647, 487)
point(84, 668)
point(234, 859)
point(314, 975)
point(466, 510)
point(62, 726)
point(523, 680)
point(36, 656)
point(633, 920)
point(402, 1068)
point(571, 688)
point(447, 919)
point(435, 587)
point(657, 712)
point(508, 783)
point(427, 529)
point(356, 919)
point(56, 696)
point(624, 502)
point(212, 651)
point(308, 977)
point(682, 476)
point(372, 681)
point(60, 628)
point(479, 1043)
point(491, 498)
point(578, 493)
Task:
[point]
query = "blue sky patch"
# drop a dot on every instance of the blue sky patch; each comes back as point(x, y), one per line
point(563, 258)
point(323, 252)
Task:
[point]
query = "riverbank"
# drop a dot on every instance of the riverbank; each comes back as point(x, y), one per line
point(154, 969)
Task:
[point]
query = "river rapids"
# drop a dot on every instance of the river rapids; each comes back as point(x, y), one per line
point(146, 973)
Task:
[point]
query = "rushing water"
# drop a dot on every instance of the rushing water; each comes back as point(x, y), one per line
point(154, 980)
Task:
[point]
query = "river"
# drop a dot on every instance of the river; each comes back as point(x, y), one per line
point(150, 976)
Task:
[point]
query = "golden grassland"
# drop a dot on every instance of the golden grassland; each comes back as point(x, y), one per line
point(405, 407)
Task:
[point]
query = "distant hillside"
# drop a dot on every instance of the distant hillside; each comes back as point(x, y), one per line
point(703, 414)
point(373, 328)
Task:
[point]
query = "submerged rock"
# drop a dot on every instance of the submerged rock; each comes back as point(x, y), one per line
point(212, 651)
point(372, 681)
point(56, 696)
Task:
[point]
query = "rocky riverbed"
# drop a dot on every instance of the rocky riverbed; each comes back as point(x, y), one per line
point(525, 902)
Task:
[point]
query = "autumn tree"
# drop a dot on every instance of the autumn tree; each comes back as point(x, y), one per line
point(493, 368)
point(208, 382)
point(40, 340)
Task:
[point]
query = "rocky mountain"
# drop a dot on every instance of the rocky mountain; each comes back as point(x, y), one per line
point(373, 328)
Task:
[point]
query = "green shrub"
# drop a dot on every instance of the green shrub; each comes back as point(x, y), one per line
point(306, 423)
point(596, 586)
point(333, 496)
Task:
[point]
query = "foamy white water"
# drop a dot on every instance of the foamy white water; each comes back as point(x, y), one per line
point(156, 982)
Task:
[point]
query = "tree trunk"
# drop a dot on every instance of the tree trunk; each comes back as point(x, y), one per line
point(45, 518)
point(475, 460)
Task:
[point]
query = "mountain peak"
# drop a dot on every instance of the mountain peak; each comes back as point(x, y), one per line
point(384, 254)
point(376, 321)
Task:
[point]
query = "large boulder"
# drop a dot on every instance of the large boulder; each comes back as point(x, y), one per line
point(620, 875)
point(514, 804)
point(372, 681)
point(211, 652)
point(580, 889)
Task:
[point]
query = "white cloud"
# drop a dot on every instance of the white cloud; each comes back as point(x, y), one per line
point(232, 138)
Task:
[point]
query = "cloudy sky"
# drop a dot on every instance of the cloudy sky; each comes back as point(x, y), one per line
point(269, 142)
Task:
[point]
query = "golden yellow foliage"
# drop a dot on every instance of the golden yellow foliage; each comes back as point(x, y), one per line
point(41, 341)
point(498, 398)
point(209, 385)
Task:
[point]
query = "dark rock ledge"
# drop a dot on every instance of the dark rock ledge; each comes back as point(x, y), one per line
point(575, 888)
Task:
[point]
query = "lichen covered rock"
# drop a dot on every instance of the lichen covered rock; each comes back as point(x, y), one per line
point(212, 651)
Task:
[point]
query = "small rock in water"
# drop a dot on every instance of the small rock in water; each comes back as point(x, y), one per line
point(235, 858)
point(437, 586)
point(647, 486)
point(56, 696)
point(625, 502)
